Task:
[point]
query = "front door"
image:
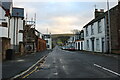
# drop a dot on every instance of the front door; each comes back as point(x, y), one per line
point(92, 45)
point(78, 45)
point(81, 45)
point(103, 44)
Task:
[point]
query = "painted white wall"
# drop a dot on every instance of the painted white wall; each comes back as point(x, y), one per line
point(49, 43)
point(3, 30)
point(20, 27)
point(96, 36)
point(78, 45)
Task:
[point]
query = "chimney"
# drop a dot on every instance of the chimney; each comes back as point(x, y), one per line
point(98, 12)
point(101, 10)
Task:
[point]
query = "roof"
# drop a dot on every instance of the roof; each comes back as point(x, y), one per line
point(99, 17)
point(6, 5)
point(94, 20)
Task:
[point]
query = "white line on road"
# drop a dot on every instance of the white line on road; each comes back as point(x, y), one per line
point(107, 69)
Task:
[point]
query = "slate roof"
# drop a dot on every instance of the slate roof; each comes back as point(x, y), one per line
point(100, 17)
point(94, 20)
point(6, 5)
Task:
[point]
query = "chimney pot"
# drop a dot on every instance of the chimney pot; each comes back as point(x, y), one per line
point(101, 10)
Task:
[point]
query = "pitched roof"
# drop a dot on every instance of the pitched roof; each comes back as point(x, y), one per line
point(100, 17)
point(94, 20)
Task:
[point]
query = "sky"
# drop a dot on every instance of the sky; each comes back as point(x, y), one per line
point(58, 16)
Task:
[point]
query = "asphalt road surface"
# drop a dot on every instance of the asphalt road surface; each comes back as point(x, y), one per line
point(13, 67)
point(71, 64)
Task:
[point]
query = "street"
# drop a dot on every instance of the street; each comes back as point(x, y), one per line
point(18, 65)
point(66, 64)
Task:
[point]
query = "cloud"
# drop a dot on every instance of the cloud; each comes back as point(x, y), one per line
point(62, 24)
point(60, 17)
point(52, 1)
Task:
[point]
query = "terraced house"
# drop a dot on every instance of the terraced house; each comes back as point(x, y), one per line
point(102, 34)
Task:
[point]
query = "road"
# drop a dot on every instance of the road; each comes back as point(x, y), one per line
point(20, 64)
point(71, 64)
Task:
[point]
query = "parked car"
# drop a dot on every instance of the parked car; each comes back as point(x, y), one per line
point(71, 48)
point(63, 47)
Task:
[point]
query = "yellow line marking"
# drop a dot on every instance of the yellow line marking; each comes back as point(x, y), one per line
point(28, 68)
point(30, 72)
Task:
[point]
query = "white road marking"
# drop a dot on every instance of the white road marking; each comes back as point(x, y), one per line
point(107, 69)
point(20, 60)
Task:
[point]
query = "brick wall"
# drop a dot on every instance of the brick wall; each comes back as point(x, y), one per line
point(41, 45)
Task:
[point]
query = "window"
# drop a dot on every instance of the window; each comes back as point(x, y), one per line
point(97, 45)
point(99, 27)
point(87, 44)
point(46, 41)
point(48, 46)
point(4, 24)
point(86, 31)
point(47, 36)
point(92, 30)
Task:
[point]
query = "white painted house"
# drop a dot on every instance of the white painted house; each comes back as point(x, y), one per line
point(16, 25)
point(79, 42)
point(11, 22)
point(3, 22)
point(48, 39)
point(94, 34)
point(71, 41)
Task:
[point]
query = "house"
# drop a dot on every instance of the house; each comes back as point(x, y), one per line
point(16, 26)
point(94, 33)
point(29, 39)
point(4, 17)
point(32, 38)
point(114, 41)
point(4, 25)
point(71, 41)
point(48, 39)
point(79, 43)
point(99, 36)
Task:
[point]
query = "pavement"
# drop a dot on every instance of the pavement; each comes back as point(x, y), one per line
point(13, 67)
point(117, 56)
point(69, 64)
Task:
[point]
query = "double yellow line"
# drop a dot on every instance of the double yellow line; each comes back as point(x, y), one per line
point(33, 70)
point(38, 62)
point(30, 72)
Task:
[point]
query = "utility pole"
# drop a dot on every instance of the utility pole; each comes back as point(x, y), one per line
point(35, 20)
point(109, 26)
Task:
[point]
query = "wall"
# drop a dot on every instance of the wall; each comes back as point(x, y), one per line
point(95, 36)
point(41, 45)
point(3, 30)
point(49, 43)
point(17, 29)
point(79, 46)
point(114, 21)
point(5, 45)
